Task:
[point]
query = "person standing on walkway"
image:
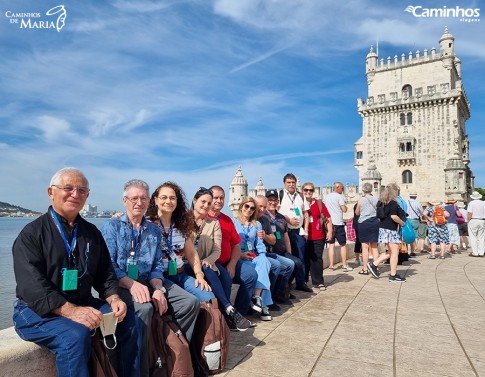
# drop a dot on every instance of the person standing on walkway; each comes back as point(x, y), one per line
point(291, 207)
point(476, 224)
point(58, 259)
point(463, 226)
point(452, 224)
point(319, 231)
point(390, 234)
point(437, 229)
point(142, 285)
point(415, 210)
point(368, 225)
point(240, 273)
point(336, 206)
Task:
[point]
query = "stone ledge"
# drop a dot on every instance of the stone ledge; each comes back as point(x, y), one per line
point(19, 358)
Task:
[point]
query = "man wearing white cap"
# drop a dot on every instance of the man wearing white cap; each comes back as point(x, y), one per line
point(476, 224)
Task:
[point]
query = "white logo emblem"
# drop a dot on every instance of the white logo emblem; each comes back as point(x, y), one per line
point(61, 18)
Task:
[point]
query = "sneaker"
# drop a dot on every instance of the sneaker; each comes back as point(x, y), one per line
point(358, 263)
point(373, 270)
point(281, 299)
point(412, 255)
point(347, 268)
point(265, 316)
point(442, 257)
point(237, 321)
point(432, 257)
point(274, 307)
point(291, 296)
point(321, 287)
point(397, 279)
point(257, 304)
point(304, 288)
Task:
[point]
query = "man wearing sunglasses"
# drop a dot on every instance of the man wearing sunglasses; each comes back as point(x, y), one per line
point(58, 259)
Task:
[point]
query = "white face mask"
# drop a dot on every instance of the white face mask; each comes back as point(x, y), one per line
point(108, 327)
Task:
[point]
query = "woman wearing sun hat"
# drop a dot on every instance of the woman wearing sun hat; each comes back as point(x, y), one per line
point(476, 224)
point(452, 224)
point(436, 233)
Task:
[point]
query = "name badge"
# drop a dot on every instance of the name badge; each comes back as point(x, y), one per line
point(297, 211)
point(249, 246)
point(172, 268)
point(273, 228)
point(278, 235)
point(69, 280)
point(133, 271)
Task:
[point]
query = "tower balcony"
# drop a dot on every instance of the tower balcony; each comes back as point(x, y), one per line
point(406, 158)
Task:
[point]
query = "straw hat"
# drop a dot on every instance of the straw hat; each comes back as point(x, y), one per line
point(450, 200)
point(460, 204)
point(434, 202)
point(475, 195)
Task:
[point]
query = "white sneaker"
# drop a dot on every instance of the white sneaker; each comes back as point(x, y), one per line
point(347, 268)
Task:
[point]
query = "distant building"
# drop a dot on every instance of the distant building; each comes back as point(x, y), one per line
point(413, 124)
point(89, 211)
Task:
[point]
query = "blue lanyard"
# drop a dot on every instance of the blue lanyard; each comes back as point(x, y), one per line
point(168, 240)
point(135, 239)
point(271, 218)
point(69, 248)
point(248, 230)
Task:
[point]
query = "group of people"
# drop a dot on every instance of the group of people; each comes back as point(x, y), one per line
point(446, 225)
point(163, 255)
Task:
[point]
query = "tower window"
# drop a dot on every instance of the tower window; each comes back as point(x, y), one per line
point(358, 155)
point(410, 118)
point(407, 90)
point(407, 176)
point(403, 119)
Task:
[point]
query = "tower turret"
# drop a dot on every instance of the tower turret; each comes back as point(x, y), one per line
point(447, 48)
point(370, 65)
point(238, 190)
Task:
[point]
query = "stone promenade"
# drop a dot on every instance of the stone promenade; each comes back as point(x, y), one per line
point(431, 325)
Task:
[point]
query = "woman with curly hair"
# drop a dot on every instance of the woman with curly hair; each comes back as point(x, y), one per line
point(389, 233)
point(168, 209)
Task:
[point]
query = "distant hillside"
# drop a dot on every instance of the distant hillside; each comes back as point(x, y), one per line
point(7, 209)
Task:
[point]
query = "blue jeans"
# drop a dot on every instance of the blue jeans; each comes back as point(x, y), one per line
point(216, 284)
point(71, 341)
point(246, 276)
point(298, 250)
point(187, 282)
point(286, 269)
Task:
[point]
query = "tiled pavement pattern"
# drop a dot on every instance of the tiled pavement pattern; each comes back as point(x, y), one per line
point(431, 325)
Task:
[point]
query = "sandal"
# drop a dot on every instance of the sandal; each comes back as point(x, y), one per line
point(364, 272)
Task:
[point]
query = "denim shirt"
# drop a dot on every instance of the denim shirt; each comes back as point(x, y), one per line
point(251, 236)
point(118, 236)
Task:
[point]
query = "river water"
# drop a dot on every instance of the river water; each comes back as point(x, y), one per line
point(10, 227)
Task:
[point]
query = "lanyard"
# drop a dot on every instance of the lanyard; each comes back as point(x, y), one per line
point(135, 239)
point(291, 199)
point(168, 239)
point(248, 230)
point(69, 248)
point(271, 218)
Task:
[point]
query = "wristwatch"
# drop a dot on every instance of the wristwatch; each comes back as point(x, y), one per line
point(160, 288)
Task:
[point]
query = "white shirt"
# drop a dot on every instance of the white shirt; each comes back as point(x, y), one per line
point(477, 209)
point(415, 209)
point(287, 207)
point(334, 201)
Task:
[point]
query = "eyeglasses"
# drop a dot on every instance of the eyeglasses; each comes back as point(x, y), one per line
point(70, 189)
point(135, 199)
point(247, 206)
point(308, 190)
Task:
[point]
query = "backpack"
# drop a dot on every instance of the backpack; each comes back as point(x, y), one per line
point(380, 213)
point(439, 216)
point(210, 340)
point(169, 352)
point(99, 364)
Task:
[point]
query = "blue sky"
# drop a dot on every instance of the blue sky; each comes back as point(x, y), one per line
point(189, 90)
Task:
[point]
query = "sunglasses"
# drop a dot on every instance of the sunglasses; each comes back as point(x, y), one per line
point(250, 207)
point(204, 190)
point(308, 190)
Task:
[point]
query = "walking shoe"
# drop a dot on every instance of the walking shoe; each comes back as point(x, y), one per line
point(397, 279)
point(291, 296)
point(281, 299)
point(304, 288)
point(265, 316)
point(237, 321)
point(373, 270)
point(358, 263)
point(347, 268)
point(432, 257)
point(412, 255)
point(321, 287)
point(257, 304)
point(274, 307)
point(442, 257)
